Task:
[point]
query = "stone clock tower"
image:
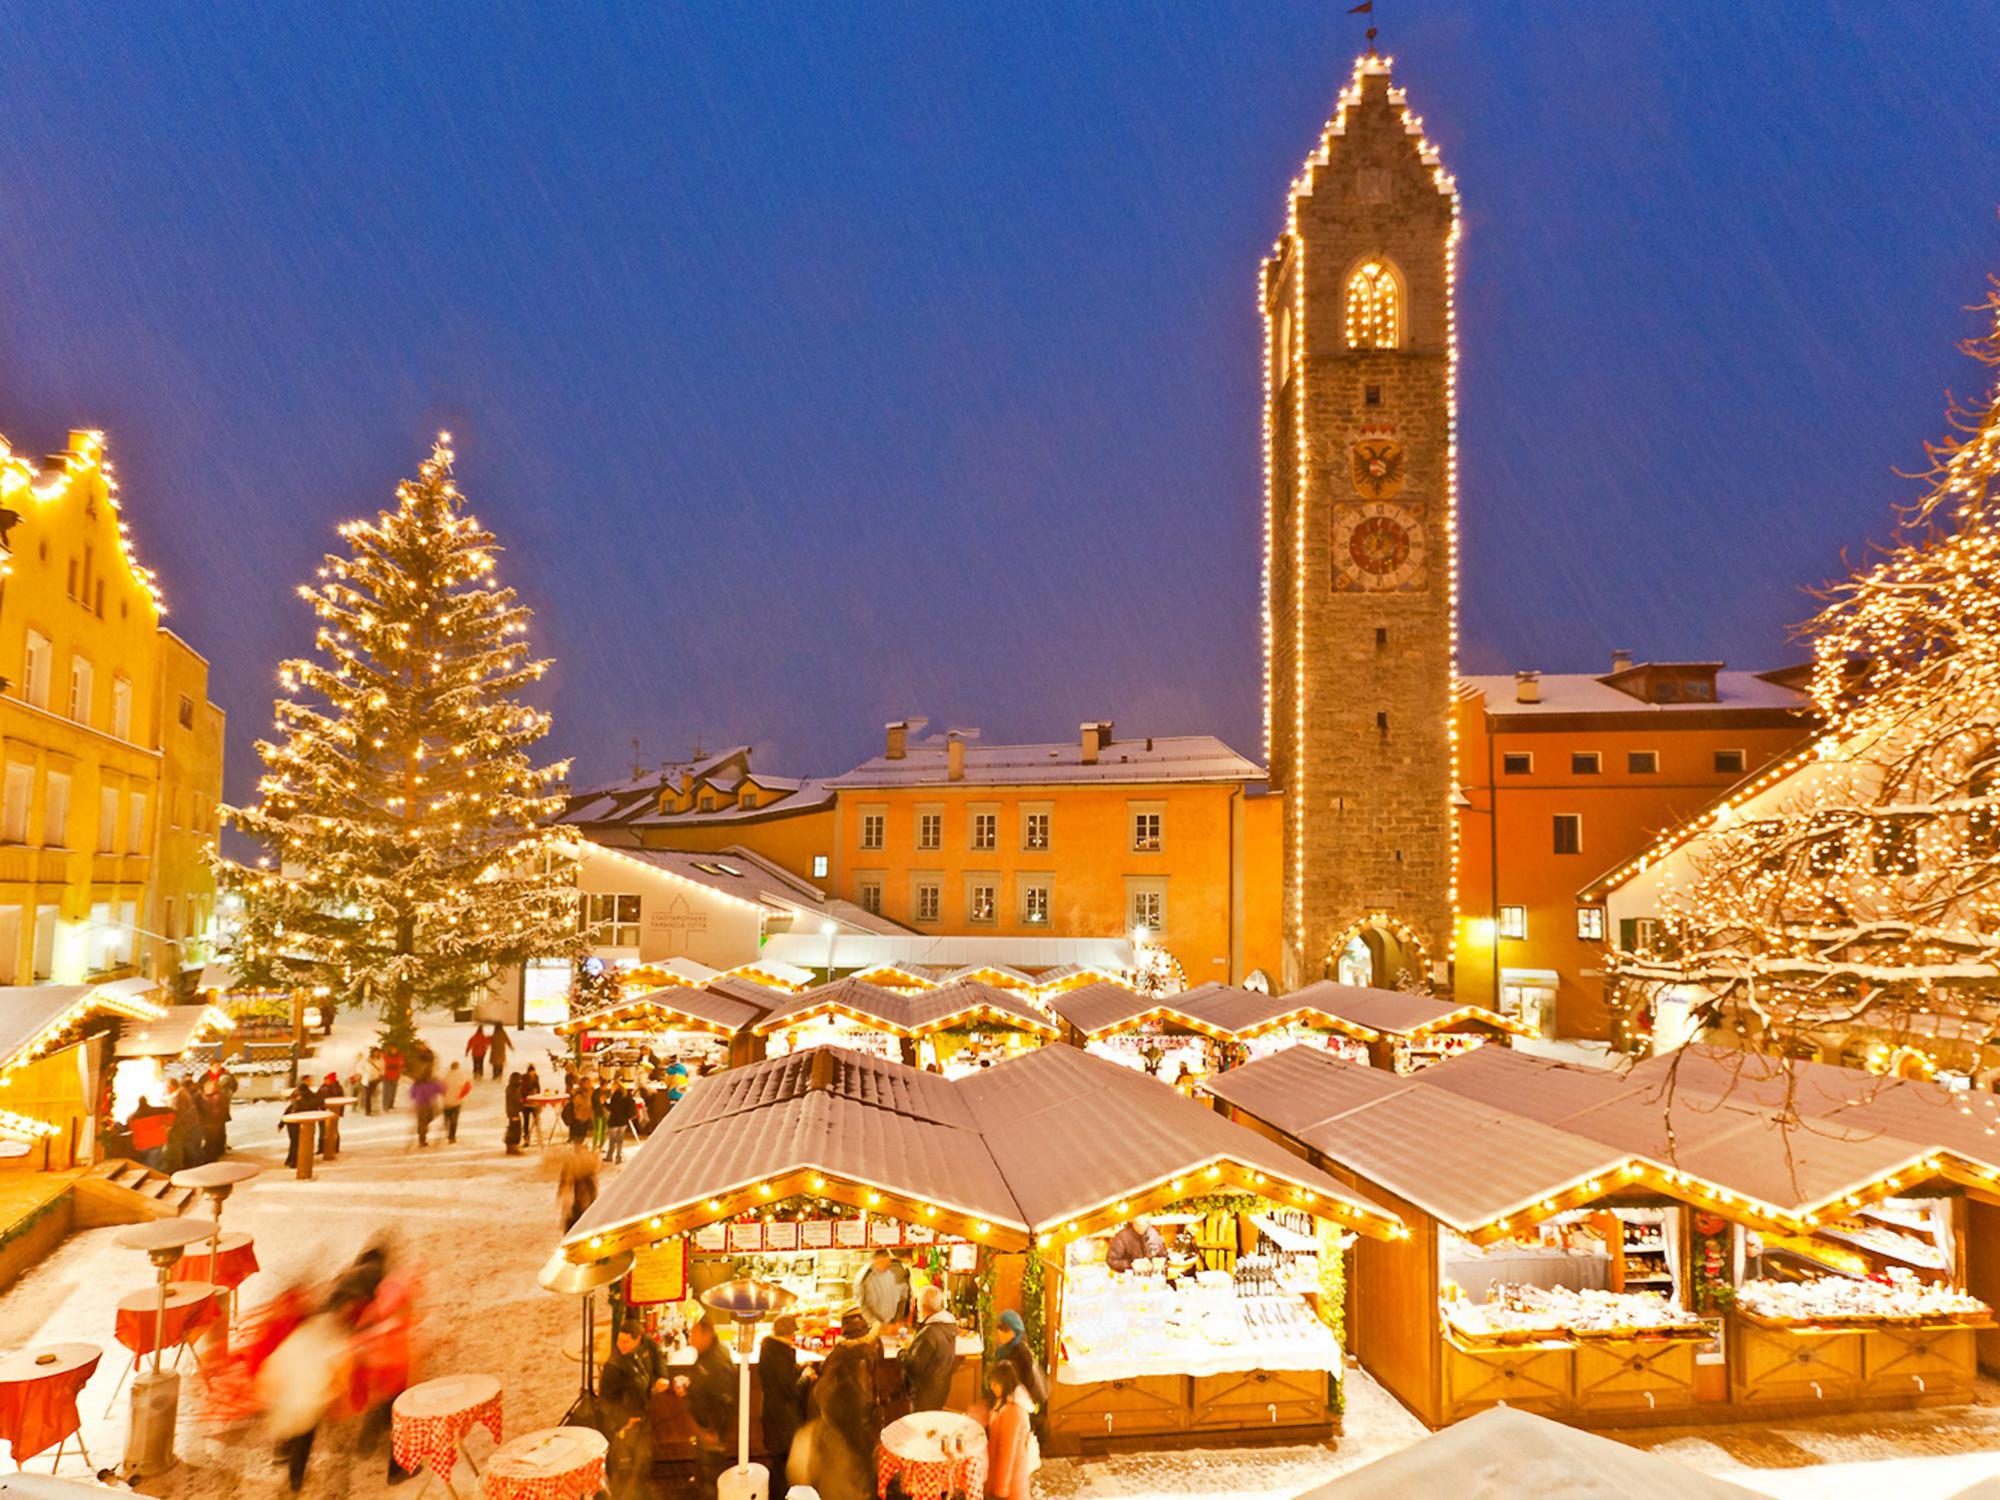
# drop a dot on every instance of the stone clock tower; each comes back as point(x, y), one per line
point(1360, 556)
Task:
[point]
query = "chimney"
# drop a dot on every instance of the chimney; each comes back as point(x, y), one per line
point(954, 756)
point(1621, 659)
point(899, 739)
point(1527, 687)
point(1091, 742)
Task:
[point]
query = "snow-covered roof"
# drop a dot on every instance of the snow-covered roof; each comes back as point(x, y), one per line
point(1190, 757)
point(1584, 693)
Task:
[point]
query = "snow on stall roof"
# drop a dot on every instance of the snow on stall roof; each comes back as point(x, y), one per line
point(1585, 693)
point(1392, 1012)
point(1194, 757)
point(1095, 1008)
point(26, 1008)
point(1504, 1453)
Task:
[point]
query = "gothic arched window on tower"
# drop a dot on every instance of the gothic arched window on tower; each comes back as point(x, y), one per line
point(1374, 308)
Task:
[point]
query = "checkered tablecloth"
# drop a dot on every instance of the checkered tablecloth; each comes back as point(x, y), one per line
point(922, 1451)
point(429, 1420)
point(560, 1463)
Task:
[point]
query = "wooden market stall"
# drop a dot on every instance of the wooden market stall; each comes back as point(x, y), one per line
point(707, 1023)
point(1258, 1023)
point(1403, 1031)
point(793, 1168)
point(952, 1028)
point(182, 1043)
point(1155, 1035)
point(1589, 1245)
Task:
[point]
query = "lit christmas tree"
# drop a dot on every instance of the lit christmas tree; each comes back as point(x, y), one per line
point(412, 856)
point(1863, 888)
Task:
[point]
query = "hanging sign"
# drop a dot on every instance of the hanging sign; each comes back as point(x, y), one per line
point(884, 1233)
point(659, 1273)
point(747, 1238)
point(963, 1259)
point(850, 1234)
point(920, 1234)
point(781, 1235)
point(816, 1234)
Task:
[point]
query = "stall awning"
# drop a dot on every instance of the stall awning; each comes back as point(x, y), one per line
point(677, 1008)
point(1394, 1013)
point(1244, 1014)
point(1051, 1143)
point(909, 1013)
point(34, 1016)
point(182, 1027)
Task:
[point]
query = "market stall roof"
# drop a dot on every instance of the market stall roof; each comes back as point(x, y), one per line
point(1394, 1013)
point(909, 1012)
point(771, 972)
point(1504, 1453)
point(676, 1008)
point(976, 1156)
point(1103, 1009)
point(665, 972)
point(763, 1132)
point(181, 1027)
point(34, 1015)
point(1002, 975)
point(1124, 1135)
point(1247, 1013)
point(1411, 1140)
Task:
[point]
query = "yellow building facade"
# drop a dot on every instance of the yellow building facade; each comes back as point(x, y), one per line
point(104, 719)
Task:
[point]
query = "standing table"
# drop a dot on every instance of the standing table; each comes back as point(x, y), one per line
point(429, 1423)
point(558, 1463)
point(309, 1122)
point(38, 1391)
point(544, 1102)
point(934, 1453)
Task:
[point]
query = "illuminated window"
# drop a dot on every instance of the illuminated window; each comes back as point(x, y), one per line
point(819, 867)
point(986, 830)
point(1513, 921)
point(982, 898)
point(1374, 316)
point(1590, 923)
point(1035, 903)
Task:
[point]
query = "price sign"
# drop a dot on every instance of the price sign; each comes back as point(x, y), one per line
point(920, 1234)
point(963, 1259)
point(850, 1234)
point(816, 1234)
point(748, 1238)
point(712, 1237)
point(781, 1234)
point(659, 1273)
point(884, 1234)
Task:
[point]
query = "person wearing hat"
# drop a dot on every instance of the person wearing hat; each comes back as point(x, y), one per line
point(783, 1385)
point(1011, 1340)
point(847, 1419)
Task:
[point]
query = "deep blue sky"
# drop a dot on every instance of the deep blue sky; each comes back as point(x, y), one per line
point(818, 364)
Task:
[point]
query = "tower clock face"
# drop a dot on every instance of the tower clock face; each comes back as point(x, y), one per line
point(1377, 546)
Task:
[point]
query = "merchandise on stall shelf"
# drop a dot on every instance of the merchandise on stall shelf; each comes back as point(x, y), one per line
point(1118, 1327)
point(1897, 1297)
point(1420, 1052)
point(1346, 1048)
point(1522, 1313)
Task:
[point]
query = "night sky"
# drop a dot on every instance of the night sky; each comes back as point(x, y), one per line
point(821, 364)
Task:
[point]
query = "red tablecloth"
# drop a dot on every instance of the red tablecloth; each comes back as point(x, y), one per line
point(238, 1261)
point(559, 1463)
point(920, 1450)
point(38, 1410)
point(429, 1420)
point(190, 1308)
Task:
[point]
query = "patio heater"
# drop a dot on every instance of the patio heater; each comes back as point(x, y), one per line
point(215, 1181)
point(156, 1393)
point(567, 1276)
point(746, 1304)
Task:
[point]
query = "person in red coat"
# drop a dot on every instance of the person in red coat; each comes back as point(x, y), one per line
point(1011, 1455)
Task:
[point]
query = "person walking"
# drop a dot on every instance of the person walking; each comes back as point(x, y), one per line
point(515, 1112)
point(783, 1385)
point(600, 1119)
point(426, 1093)
point(498, 1045)
point(1011, 1338)
point(392, 1074)
point(576, 1185)
point(711, 1403)
point(475, 1048)
point(371, 1078)
point(457, 1090)
point(213, 1107)
point(578, 1115)
point(1012, 1455)
point(620, 1110)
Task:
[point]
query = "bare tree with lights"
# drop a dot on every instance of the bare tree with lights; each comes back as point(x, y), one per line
point(1865, 889)
point(410, 854)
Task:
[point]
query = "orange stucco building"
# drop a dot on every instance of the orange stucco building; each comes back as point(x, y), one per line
point(1565, 776)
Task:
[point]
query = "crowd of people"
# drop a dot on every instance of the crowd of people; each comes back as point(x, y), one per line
point(191, 1128)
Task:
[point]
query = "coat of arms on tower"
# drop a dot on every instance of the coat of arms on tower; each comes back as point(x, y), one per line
point(1378, 463)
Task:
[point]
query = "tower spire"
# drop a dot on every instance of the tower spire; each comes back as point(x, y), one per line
point(1366, 8)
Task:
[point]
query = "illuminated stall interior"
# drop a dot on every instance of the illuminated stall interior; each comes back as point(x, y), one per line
point(182, 1043)
point(1157, 1036)
point(1406, 1032)
point(952, 1028)
point(55, 1044)
point(793, 1167)
point(1259, 1023)
point(695, 1024)
point(1586, 1245)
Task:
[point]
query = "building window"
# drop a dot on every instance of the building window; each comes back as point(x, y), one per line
point(18, 791)
point(871, 829)
point(107, 820)
point(55, 811)
point(1035, 830)
point(609, 920)
point(707, 802)
point(72, 578)
point(1374, 320)
point(35, 669)
point(1585, 762)
point(121, 706)
point(1590, 923)
point(1643, 762)
point(747, 801)
point(1513, 921)
point(1518, 762)
point(819, 867)
point(135, 831)
point(1730, 762)
point(1569, 833)
point(1146, 832)
point(1035, 904)
point(45, 941)
point(97, 598)
point(871, 897)
point(930, 830)
point(80, 677)
point(986, 830)
point(1149, 910)
point(187, 712)
point(929, 900)
point(982, 899)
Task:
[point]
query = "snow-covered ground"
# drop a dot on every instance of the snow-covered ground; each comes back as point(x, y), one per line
point(481, 1223)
